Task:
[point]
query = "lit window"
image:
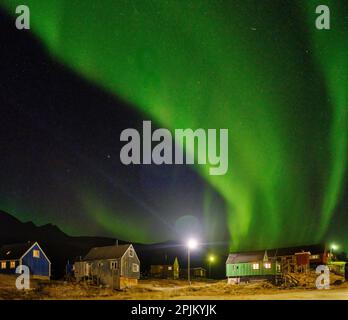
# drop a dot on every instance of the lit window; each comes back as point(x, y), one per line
point(170, 268)
point(135, 267)
point(3, 265)
point(12, 264)
point(256, 266)
point(36, 253)
point(267, 265)
point(131, 253)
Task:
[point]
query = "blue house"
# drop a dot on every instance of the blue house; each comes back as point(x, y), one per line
point(29, 254)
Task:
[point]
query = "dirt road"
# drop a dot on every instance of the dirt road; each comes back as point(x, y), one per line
point(331, 294)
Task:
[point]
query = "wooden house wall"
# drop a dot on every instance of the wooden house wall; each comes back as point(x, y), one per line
point(102, 272)
point(8, 269)
point(163, 271)
point(81, 270)
point(176, 269)
point(246, 269)
point(38, 266)
point(127, 265)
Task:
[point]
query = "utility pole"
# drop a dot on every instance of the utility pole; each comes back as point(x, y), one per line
point(188, 266)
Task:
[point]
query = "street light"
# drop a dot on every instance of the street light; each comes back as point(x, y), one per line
point(191, 245)
point(211, 259)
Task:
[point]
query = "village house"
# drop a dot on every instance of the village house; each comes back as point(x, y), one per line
point(115, 266)
point(165, 271)
point(195, 273)
point(275, 264)
point(29, 254)
point(246, 266)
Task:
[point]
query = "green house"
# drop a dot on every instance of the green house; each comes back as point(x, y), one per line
point(247, 266)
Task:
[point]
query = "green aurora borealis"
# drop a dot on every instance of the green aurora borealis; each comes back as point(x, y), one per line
point(258, 68)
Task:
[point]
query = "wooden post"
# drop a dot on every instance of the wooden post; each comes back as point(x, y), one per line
point(188, 266)
point(113, 279)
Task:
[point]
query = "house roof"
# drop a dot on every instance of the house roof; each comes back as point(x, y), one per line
point(14, 251)
point(161, 265)
point(313, 249)
point(253, 256)
point(184, 270)
point(244, 257)
point(109, 252)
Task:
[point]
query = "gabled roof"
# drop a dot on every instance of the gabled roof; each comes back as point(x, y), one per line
point(253, 256)
point(165, 262)
point(244, 257)
point(105, 253)
point(313, 249)
point(14, 251)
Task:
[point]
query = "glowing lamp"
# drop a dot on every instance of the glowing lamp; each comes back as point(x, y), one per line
point(192, 244)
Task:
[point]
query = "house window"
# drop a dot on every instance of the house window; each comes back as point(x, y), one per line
point(36, 253)
point(131, 253)
point(113, 265)
point(3, 265)
point(170, 268)
point(12, 264)
point(256, 266)
point(135, 267)
point(267, 265)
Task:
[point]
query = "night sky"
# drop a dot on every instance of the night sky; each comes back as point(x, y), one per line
point(89, 69)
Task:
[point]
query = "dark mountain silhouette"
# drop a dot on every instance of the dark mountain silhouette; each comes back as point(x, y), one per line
point(61, 248)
